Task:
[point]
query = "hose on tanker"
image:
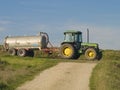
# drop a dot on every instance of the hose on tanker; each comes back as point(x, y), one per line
point(46, 35)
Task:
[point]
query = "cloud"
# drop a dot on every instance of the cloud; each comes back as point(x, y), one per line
point(40, 27)
point(2, 29)
point(5, 22)
point(1, 34)
point(107, 37)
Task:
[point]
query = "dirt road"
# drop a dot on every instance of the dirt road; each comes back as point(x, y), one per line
point(64, 76)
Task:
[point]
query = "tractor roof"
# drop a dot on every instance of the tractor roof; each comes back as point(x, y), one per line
point(72, 31)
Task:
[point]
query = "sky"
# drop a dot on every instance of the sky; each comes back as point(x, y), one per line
point(29, 17)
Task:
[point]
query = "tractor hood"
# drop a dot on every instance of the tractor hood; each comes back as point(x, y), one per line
point(89, 44)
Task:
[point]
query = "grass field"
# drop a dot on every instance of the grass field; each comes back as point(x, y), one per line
point(16, 70)
point(106, 75)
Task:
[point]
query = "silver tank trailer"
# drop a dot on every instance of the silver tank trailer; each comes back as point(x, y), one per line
point(28, 42)
point(21, 45)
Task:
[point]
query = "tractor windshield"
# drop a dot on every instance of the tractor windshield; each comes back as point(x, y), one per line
point(73, 37)
point(69, 37)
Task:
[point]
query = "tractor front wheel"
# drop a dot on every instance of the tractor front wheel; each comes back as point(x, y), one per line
point(67, 51)
point(90, 54)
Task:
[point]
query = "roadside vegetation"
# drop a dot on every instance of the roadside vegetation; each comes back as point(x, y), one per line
point(106, 75)
point(16, 70)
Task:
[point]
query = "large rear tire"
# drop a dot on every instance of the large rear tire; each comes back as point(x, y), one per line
point(21, 52)
point(67, 51)
point(91, 54)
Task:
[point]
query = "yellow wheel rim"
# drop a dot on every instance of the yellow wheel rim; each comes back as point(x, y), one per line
point(67, 51)
point(91, 54)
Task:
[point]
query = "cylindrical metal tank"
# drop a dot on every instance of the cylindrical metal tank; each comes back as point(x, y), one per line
point(28, 42)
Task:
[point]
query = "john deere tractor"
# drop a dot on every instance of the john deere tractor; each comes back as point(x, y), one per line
point(72, 47)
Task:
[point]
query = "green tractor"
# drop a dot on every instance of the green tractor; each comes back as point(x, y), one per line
point(73, 47)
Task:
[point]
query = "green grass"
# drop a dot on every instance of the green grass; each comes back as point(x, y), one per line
point(16, 70)
point(106, 75)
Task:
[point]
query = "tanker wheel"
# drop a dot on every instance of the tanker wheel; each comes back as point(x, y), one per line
point(21, 52)
point(67, 51)
point(90, 54)
point(12, 51)
point(30, 53)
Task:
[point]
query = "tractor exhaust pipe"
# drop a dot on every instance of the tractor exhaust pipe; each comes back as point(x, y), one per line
point(87, 35)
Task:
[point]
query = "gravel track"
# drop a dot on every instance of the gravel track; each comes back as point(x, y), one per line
point(64, 76)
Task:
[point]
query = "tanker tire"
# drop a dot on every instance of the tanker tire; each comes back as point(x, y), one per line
point(91, 54)
point(21, 52)
point(30, 53)
point(12, 51)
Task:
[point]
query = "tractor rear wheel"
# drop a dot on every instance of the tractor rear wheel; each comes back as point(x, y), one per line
point(90, 54)
point(67, 51)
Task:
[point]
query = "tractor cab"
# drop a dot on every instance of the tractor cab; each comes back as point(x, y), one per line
point(72, 36)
